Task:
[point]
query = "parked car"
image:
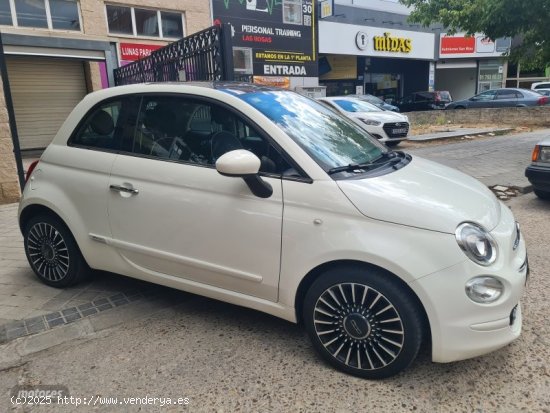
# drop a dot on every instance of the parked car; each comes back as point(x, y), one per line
point(500, 98)
point(540, 86)
point(419, 101)
point(374, 250)
point(538, 172)
point(376, 101)
point(388, 127)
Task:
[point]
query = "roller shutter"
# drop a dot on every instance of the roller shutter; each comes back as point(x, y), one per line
point(44, 91)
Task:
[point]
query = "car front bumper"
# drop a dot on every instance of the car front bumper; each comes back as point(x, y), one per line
point(539, 176)
point(461, 328)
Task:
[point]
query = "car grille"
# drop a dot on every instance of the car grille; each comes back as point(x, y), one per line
point(396, 130)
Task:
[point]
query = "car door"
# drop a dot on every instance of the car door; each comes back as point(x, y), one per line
point(505, 98)
point(406, 103)
point(173, 215)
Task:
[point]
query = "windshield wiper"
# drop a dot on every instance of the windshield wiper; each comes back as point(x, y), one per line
point(382, 159)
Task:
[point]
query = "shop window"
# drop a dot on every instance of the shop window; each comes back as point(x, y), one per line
point(140, 22)
point(64, 15)
point(5, 13)
point(31, 14)
point(146, 22)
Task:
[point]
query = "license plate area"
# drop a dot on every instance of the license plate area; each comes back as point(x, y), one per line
point(398, 131)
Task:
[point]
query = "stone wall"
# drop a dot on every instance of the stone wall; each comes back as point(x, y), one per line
point(9, 184)
point(533, 116)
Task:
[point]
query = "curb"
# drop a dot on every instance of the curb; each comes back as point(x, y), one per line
point(430, 137)
point(12, 351)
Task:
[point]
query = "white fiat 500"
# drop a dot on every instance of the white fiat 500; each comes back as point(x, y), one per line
point(267, 199)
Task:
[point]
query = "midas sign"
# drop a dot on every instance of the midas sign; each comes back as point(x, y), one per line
point(388, 43)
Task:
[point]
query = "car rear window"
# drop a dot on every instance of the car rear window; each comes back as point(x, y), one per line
point(445, 96)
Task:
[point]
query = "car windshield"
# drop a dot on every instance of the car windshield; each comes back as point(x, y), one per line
point(328, 137)
point(355, 105)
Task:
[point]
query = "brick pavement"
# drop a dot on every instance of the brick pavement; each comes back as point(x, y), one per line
point(494, 161)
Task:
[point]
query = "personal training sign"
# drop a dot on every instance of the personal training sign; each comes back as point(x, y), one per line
point(271, 37)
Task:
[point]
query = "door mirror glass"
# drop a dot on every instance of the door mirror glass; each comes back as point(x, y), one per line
point(238, 163)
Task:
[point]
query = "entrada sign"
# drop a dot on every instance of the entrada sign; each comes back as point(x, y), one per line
point(389, 43)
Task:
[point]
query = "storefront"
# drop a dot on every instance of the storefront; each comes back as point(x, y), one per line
point(384, 62)
point(470, 64)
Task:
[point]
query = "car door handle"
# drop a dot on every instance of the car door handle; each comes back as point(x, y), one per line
point(119, 188)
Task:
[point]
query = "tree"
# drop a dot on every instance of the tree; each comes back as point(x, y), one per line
point(524, 19)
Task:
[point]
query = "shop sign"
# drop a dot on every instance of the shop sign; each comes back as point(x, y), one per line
point(277, 35)
point(276, 81)
point(389, 43)
point(347, 39)
point(337, 67)
point(478, 45)
point(136, 51)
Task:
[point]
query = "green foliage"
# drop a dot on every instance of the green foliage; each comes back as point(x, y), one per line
point(526, 19)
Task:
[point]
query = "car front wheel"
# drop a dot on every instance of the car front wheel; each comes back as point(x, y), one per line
point(363, 322)
point(52, 252)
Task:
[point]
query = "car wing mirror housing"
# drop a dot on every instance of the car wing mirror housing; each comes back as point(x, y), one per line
point(241, 163)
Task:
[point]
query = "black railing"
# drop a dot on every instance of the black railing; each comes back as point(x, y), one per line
point(206, 55)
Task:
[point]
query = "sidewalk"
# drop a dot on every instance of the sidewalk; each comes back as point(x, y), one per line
point(27, 306)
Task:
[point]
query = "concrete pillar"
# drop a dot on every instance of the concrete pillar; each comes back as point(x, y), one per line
point(9, 184)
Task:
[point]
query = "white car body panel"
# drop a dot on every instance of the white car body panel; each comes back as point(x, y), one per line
point(255, 252)
point(451, 196)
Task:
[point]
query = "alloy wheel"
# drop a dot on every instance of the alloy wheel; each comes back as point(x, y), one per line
point(48, 251)
point(358, 326)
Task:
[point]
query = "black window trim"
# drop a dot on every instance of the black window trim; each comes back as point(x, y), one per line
point(293, 164)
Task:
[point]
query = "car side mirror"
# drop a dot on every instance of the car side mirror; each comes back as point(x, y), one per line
point(244, 164)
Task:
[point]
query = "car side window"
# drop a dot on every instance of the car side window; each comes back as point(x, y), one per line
point(489, 95)
point(198, 132)
point(108, 126)
point(506, 94)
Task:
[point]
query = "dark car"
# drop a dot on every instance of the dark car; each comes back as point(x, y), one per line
point(501, 98)
point(538, 172)
point(425, 101)
point(376, 101)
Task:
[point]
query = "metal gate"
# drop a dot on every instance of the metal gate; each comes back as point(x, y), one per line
point(206, 55)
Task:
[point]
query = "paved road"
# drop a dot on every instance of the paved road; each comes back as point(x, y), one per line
point(500, 160)
point(229, 359)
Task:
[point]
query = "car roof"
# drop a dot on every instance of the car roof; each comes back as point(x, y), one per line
point(234, 88)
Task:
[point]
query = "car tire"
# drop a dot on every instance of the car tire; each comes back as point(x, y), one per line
point(363, 321)
point(542, 194)
point(53, 253)
point(392, 144)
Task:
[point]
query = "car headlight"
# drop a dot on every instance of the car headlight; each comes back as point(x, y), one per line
point(541, 154)
point(476, 243)
point(484, 289)
point(371, 122)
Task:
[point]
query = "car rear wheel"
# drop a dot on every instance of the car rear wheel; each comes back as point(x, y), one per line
point(53, 253)
point(542, 194)
point(363, 322)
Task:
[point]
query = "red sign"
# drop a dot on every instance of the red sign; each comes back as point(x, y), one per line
point(135, 51)
point(458, 45)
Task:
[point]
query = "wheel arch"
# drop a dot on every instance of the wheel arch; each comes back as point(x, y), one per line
point(312, 275)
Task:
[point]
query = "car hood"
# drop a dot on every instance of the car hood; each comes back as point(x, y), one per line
point(426, 195)
point(384, 116)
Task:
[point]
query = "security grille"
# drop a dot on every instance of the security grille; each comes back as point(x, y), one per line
point(206, 55)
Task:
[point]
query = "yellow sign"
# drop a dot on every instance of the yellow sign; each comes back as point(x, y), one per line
point(340, 67)
point(389, 43)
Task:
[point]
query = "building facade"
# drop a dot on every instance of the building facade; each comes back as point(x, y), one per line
point(368, 46)
point(57, 51)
